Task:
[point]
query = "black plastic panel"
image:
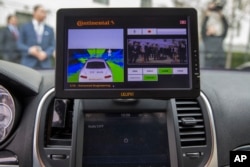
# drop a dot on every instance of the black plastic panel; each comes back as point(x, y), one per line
point(125, 139)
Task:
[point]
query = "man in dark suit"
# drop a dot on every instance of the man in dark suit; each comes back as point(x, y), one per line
point(36, 41)
point(8, 40)
point(182, 51)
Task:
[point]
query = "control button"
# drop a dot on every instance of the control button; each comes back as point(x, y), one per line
point(149, 31)
point(58, 156)
point(180, 71)
point(125, 140)
point(188, 121)
point(150, 77)
point(134, 31)
point(134, 71)
point(193, 155)
point(150, 70)
point(135, 78)
point(165, 71)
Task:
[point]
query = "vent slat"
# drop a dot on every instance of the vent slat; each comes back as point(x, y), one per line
point(186, 102)
point(197, 120)
point(189, 114)
point(193, 139)
point(190, 135)
point(188, 109)
point(192, 127)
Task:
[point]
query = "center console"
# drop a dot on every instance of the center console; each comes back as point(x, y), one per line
point(128, 138)
point(107, 132)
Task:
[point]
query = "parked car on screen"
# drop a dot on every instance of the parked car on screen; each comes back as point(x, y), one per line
point(96, 70)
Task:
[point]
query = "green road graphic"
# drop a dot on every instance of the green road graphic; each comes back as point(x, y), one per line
point(117, 72)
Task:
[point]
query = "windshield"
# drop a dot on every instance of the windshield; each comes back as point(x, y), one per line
point(224, 29)
point(95, 65)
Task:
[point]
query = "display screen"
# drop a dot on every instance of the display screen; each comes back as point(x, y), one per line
point(138, 54)
point(125, 139)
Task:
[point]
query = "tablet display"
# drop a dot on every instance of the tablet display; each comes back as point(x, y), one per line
point(127, 53)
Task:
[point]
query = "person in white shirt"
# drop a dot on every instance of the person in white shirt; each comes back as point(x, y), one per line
point(214, 30)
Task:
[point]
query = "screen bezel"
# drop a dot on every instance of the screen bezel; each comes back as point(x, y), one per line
point(61, 92)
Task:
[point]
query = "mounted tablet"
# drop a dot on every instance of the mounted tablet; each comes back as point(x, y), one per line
point(127, 53)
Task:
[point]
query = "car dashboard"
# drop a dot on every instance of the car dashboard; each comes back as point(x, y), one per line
point(48, 131)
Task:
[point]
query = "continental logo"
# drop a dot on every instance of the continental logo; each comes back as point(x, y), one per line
point(127, 94)
point(82, 23)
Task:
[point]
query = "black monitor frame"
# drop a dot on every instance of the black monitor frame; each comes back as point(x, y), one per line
point(194, 71)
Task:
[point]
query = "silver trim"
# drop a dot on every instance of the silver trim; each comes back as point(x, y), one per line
point(12, 110)
point(213, 159)
point(241, 148)
point(11, 114)
point(9, 165)
point(37, 161)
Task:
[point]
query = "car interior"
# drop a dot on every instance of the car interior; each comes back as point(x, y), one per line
point(155, 111)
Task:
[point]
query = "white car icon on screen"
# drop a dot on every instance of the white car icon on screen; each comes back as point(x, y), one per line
point(95, 70)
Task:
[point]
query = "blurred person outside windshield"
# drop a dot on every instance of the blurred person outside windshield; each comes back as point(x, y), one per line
point(214, 31)
point(36, 41)
point(8, 40)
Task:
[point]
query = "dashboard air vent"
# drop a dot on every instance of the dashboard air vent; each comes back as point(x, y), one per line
point(191, 123)
point(59, 123)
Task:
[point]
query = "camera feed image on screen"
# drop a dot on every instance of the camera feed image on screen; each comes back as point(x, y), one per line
point(157, 51)
point(126, 54)
point(95, 56)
